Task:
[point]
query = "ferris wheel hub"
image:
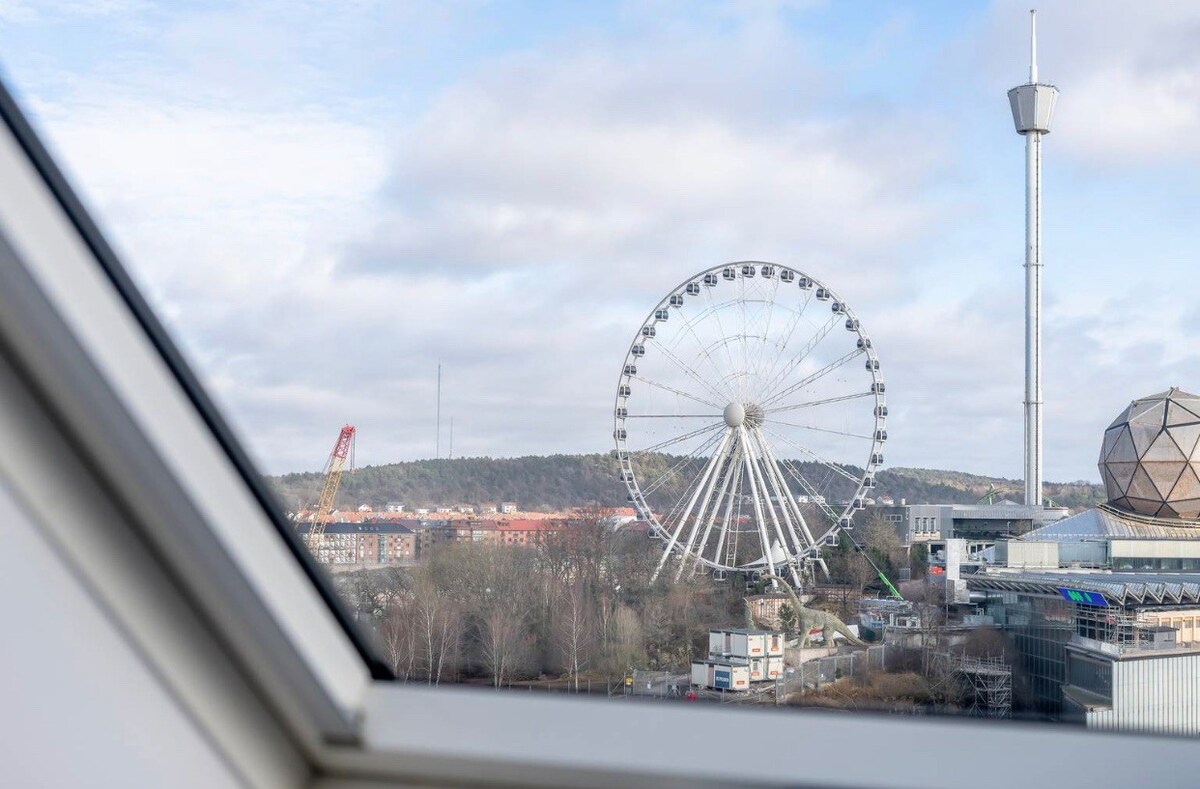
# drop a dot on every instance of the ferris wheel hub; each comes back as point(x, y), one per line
point(749, 414)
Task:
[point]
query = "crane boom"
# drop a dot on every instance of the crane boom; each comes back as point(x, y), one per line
point(343, 452)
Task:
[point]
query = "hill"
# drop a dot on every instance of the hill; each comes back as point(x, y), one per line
point(557, 482)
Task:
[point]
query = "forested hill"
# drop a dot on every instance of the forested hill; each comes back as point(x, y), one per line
point(560, 481)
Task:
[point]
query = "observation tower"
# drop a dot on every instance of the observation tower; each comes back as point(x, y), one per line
point(1032, 109)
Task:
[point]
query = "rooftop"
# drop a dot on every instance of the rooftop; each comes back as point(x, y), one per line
point(1106, 522)
point(344, 527)
point(1119, 588)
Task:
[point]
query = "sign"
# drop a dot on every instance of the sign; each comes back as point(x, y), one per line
point(724, 679)
point(1083, 597)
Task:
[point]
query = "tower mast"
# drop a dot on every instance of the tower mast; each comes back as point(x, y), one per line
point(1033, 108)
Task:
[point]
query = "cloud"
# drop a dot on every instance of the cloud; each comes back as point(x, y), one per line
point(618, 161)
point(318, 258)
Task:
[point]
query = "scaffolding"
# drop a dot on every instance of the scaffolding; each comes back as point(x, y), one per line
point(987, 683)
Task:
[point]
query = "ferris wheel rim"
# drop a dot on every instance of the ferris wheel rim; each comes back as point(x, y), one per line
point(711, 398)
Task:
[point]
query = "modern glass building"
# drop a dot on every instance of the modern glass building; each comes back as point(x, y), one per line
point(1067, 629)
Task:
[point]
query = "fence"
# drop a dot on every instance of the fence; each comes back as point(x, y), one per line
point(821, 671)
point(656, 684)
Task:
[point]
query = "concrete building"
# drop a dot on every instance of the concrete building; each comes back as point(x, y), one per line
point(880, 614)
point(517, 532)
point(927, 523)
point(369, 543)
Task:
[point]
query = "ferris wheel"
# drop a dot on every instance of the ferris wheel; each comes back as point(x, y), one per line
point(749, 421)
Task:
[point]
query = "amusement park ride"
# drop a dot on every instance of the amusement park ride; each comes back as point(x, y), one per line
point(749, 420)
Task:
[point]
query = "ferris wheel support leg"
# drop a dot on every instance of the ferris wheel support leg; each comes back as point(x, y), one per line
point(705, 500)
point(730, 464)
point(788, 494)
point(708, 470)
point(772, 475)
point(762, 525)
point(737, 489)
point(764, 486)
point(764, 475)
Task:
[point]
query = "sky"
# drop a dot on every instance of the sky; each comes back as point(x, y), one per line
point(323, 201)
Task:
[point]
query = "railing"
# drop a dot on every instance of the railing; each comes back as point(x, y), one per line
point(1135, 645)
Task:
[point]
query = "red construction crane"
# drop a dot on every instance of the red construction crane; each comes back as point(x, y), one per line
point(343, 452)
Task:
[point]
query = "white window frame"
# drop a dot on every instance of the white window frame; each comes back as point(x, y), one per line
point(169, 531)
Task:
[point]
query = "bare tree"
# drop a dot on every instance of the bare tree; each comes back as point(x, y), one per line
point(503, 643)
point(399, 637)
point(575, 629)
point(439, 624)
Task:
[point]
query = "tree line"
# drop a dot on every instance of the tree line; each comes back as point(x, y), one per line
point(558, 482)
point(577, 604)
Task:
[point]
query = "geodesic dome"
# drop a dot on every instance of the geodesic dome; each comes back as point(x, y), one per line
point(1150, 460)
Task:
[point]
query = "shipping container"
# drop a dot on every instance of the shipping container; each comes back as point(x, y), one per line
point(744, 644)
point(721, 675)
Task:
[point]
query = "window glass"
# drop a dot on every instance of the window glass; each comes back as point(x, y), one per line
point(642, 350)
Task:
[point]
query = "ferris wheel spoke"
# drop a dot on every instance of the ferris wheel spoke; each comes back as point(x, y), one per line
point(782, 345)
point(673, 416)
point(679, 392)
point(779, 378)
point(817, 429)
point(717, 316)
point(811, 490)
point(683, 461)
point(690, 372)
point(689, 326)
point(829, 464)
point(814, 403)
point(677, 439)
point(745, 335)
point(812, 378)
point(737, 379)
point(770, 310)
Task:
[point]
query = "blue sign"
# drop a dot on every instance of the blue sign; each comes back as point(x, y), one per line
point(723, 678)
point(1083, 597)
